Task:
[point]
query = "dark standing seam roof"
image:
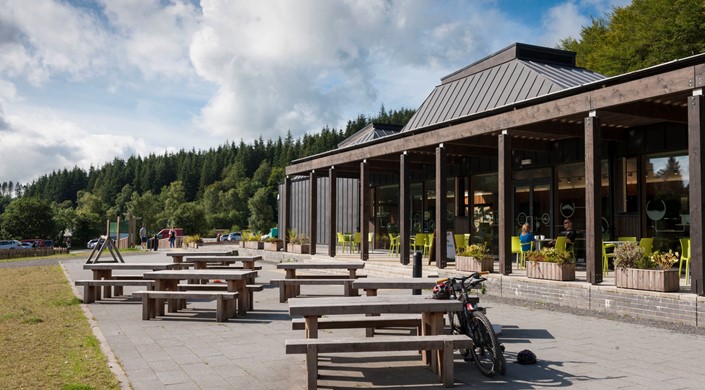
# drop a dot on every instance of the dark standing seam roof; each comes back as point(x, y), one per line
point(507, 83)
point(370, 132)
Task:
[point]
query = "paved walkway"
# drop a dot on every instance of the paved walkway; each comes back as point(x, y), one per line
point(195, 352)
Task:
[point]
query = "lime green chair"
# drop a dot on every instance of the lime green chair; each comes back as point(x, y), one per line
point(648, 245)
point(356, 242)
point(459, 243)
point(562, 244)
point(632, 239)
point(418, 241)
point(606, 258)
point(685, 257)
point(427, 245)
point(343, 241)
point(394, 240)
point(516, 250)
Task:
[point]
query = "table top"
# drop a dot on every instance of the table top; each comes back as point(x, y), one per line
point(394, 283)
point(201, 274)
point(371, 305)
point(199, 253)
point(119, 266)
point(618, 242)
point(322, 265)
point(223, 259)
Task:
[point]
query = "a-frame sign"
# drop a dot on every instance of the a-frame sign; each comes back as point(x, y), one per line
point(105, 242)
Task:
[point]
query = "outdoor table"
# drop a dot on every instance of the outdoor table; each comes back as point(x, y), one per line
point(541, 242)
point(431, 310)
point(201, 262)
point(290, 269)
point(168, 280)
point(105, 271)
point(178, 257)
point(371, 285)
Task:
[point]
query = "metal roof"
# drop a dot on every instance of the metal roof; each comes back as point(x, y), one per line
point(370, 132)
point(504, 84)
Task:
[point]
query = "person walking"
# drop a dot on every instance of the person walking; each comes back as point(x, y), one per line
point(172, 237)
point(143, 236)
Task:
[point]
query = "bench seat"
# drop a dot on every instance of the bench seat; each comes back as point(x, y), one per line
point(289, 288)
point(443, 344)
point(251, 288)
point(369, 322)
point(91, 288)
point(225, 306)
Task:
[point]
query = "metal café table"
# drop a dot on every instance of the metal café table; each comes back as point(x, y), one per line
point(236, 280)
point(105, 271)
point(431, 310)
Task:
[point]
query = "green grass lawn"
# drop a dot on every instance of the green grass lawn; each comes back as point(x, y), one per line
point(45, 340)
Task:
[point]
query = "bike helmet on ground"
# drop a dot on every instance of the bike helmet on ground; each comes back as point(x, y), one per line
point(441, 291)
point(526, 357)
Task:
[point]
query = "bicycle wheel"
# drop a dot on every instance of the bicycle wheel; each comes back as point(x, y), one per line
point(458, 326)
point(487, 353)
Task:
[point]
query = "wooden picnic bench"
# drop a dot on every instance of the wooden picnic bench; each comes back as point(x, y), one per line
point(151, 299)
point(105, 271)
point(91, 288)
point(375, 322)
point(290, 288)
point(293, 288)
point(178, 257)
point(443, 345)
point(251, 288)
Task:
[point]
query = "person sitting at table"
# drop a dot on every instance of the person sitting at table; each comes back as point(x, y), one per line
point(526, 237)
point(569, 233)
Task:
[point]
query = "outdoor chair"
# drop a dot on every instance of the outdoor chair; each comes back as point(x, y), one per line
point(418, 241)
point(343, 241)
point(427, 246)
point(685, 257)
point(356, 240)
point(605, 258)
point(648, 245)
point(394, 240)
point(516, 249)
point(459, 243)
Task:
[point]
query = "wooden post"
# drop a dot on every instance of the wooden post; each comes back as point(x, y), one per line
point(441, 207)
point(404, 208)
point(287, 207)
point(504, 182)
point(332, 214)
point(313, 211)
point(593, 205)
point(696, 167)
point(364, 210)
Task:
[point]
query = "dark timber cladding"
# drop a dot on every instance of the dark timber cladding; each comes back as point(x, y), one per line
point(530, 99)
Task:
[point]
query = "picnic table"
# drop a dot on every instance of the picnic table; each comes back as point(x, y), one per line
point(105, 271)
point(431, 311)
point(201, 262)
point(291, 286)
point(178, 257)
point(371, 285)
point(167, 280)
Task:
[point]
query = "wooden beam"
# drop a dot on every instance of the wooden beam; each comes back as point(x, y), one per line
point(287, 210)
point(404, 208)
point(332, 212)
point(313, 210)
point(441, 207)
point(696, 167)
point(504, 198)
point(364, 210)
point(593, 204)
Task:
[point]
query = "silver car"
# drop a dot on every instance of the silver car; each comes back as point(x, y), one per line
point(10, 244)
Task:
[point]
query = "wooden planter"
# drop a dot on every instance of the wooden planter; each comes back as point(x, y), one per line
point(254, 244)
point(298, 248)
point(550, 271)
point(472, 264)
point(273, 246)
point(647, 279)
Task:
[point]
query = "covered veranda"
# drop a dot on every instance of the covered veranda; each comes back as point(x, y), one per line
point(652, 112)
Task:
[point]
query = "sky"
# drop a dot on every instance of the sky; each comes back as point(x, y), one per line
point(83, 82)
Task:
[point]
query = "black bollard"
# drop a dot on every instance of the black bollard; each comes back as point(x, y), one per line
point(417, 270)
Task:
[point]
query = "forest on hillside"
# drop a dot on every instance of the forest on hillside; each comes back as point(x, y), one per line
point(234, 185)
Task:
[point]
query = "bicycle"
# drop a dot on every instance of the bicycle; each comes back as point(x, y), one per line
point(487, 352)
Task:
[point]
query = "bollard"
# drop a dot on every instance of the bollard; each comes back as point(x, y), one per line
point(417, 270)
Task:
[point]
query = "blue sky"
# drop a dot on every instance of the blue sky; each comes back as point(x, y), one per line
point(85, 81)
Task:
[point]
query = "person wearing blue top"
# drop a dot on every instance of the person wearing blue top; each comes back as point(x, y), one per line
point(526, 238)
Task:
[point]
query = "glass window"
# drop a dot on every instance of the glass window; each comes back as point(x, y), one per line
point(485, 203)
point(667, 203)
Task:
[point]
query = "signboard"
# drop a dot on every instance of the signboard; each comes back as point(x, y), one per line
point(450, 246)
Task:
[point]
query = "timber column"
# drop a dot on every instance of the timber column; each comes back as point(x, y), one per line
point(593, 206)
point(313, 210)
point(696, 167)
point(364, 210)
point(404, 208)
point(332, 212)
point(504, 184)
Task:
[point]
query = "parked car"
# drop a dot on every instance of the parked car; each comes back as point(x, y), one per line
point(10, 244)
point(164, 233)
point(36, 242)
point(235, 236)
point(92, 243)
point(224, 237)
point(27, 245)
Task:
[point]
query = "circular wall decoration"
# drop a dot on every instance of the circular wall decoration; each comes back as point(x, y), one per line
point(546, 219)
point(521, 219)
point(605, 225)
point(656, 209)
point(567, 209)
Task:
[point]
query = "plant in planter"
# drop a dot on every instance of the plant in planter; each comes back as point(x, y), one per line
point(298, 243)
point(636, 271)
point(193, 241)
point(273, 244)
point(251, 240)
point(550, 263)
point(475, 258)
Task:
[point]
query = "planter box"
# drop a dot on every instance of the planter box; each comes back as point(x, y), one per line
point(298, 248)
point(254, 244)
point(550, 271)
point(273, 246)
point(647, 279)
point(472, 264)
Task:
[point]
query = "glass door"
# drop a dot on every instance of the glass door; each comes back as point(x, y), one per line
point(532, 205)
